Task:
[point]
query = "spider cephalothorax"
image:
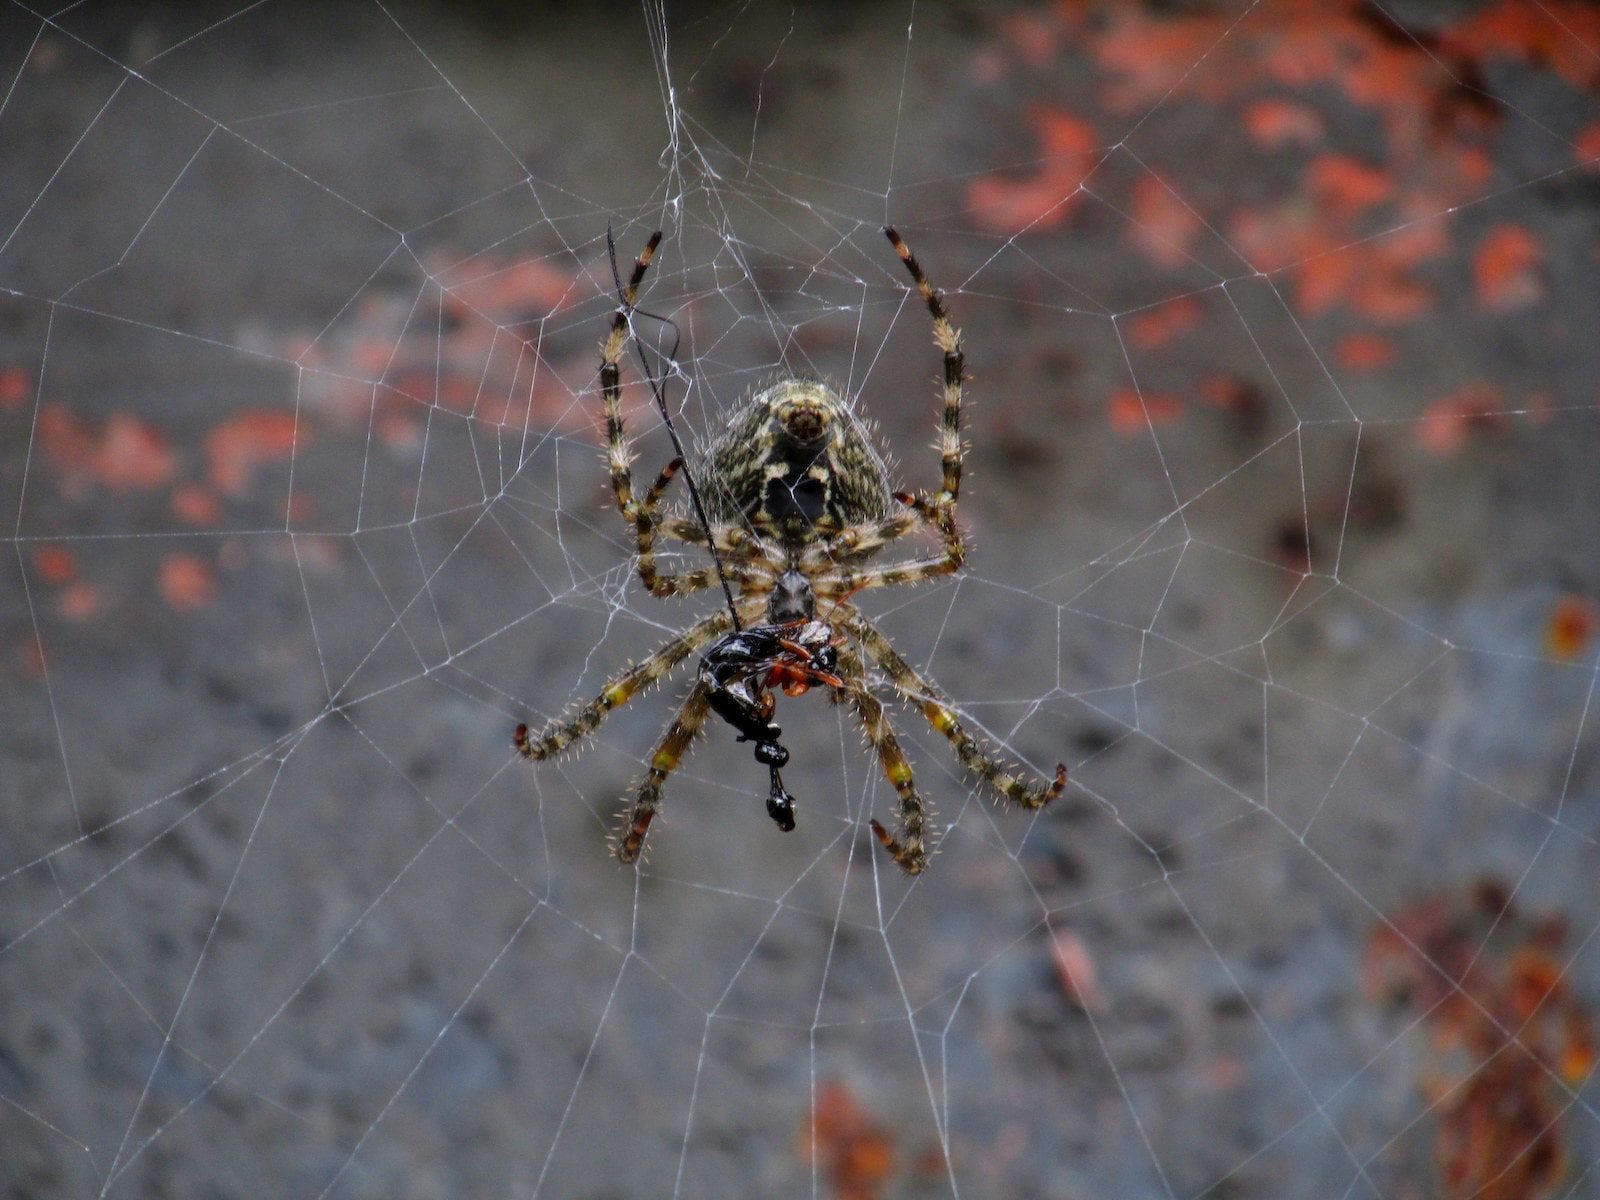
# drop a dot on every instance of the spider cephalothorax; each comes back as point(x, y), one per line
point(798, 500)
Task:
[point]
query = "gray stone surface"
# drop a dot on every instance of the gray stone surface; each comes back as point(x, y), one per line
point(281, 914)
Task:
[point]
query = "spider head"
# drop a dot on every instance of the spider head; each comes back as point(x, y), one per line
point(797, 464)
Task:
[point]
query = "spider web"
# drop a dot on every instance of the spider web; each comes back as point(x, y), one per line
point(1282, 428)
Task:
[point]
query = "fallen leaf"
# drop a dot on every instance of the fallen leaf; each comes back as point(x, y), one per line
point(1447, 422)
point(186, 582)
point(55, 564)
point(1571, 627)
point(239, 446)
point(1275, 123)
point(1164, 227)
point(133, 455)
point(1587, 145)
point(79, 602)
point(1504, 269)
point(1559, 34)
point(194, 504)
point(1344, 187)
point(1003, 203)
point(1075, 971)
point(16, 386)
point(1133, 412)
point(1157, 326)
point(854, 1153)
point(1365, 352)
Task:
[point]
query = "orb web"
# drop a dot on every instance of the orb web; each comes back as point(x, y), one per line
point(1281, 411)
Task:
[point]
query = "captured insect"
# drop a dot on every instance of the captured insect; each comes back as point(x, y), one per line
point(793, 504)
point(740, 668)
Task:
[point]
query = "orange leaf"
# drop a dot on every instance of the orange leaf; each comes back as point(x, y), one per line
point(1002, 203)
point(1034, 36)
point(1390, 296)
point(237, 447)
point(195, 505)
point(79, 602)
point(186, 582)
point(15, 388)
point(55, 564)
point(504, 293)
point(853, 1151)
point(1504, 269)
point(1571, 627)
point(1447, 422)
point(1326, 280)
point(1149, 56)
point(1164, 227)
point(1559, 34)
point(133, 455)
point(1344, 187)
point(1130, 412)
point(1075, 971)
point(1588, 145)
point(1159, 325)
point(1274, 123)
point(1365, 352)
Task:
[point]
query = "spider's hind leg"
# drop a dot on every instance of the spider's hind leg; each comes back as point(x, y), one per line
point(922, 692)
point(680, 735)
point(907, 846)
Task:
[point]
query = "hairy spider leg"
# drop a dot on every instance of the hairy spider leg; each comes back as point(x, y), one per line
point(618, 454)
point(906, 846)
point(680, 735)
point(743, 566)
point(640, 515)
point(622, 689)
point(920, 691)
point(948, 339)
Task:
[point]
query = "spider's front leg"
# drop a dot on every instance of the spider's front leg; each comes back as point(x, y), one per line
point(845, 580)
point(618, 455)
point(919, 690)
point(949, 341)
point(743, 566)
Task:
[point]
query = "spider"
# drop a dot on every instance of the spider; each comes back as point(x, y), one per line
point(798, 501)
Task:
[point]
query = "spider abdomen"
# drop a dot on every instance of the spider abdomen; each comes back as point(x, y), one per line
point(797, 464)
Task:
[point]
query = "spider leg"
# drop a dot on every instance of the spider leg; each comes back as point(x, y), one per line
point(844, 580)
point(734, 541)
point(906, 846)
point(949, 341)
point(618, 455)
point(919, 690)
point(833, 577)
point(857, 541)
point(679, 737)
point(622, 689)
point(646, 522)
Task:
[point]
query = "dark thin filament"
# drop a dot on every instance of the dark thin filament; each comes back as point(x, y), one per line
point(656, 389)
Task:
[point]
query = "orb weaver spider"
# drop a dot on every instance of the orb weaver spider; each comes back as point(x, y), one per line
point(797, 503)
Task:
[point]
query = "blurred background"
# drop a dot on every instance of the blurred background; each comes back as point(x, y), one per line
point(1281, 500)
